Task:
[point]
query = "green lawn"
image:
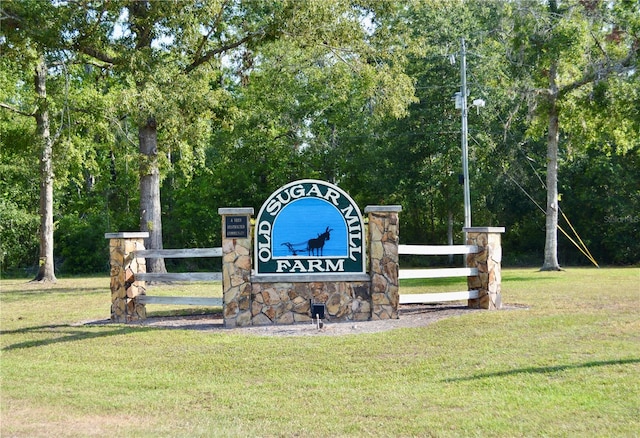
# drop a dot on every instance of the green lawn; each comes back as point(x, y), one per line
point(567, 365)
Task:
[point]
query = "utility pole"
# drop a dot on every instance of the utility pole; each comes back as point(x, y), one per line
point(465, 143)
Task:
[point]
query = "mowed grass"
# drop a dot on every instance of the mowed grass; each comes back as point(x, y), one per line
point(564, 362)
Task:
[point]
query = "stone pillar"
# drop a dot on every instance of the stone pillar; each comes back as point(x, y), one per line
point(488, 260)
point(383, 260)
point(124, 267)
point(236, 266)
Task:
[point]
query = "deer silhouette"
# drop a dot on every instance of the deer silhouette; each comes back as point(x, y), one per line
point(314, 246)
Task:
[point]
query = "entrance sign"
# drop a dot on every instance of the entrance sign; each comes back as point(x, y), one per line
point(309, 227)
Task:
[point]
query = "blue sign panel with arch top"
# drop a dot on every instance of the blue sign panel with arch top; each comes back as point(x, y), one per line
point(309, 227)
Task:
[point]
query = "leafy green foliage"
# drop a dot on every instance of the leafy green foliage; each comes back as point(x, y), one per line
point(81, 244)
point(18, 194)
point(604, 198)
point(18, 237)
point(358, 94)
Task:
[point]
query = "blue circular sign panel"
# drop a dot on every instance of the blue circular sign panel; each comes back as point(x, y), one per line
point(309, 227)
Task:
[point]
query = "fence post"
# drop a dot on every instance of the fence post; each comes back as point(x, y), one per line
point(383, 260)
point(236, 265)
point(124, 266)
point(488, 260)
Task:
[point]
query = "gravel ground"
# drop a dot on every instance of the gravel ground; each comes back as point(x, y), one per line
point(414, 315)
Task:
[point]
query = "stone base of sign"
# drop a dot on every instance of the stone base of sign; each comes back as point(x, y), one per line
point(288, 303)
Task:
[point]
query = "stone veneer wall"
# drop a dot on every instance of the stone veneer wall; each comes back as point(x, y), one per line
point(383, 260)
point(124, 266)
point(288, 303)
point(236, 273)
point(488, 260)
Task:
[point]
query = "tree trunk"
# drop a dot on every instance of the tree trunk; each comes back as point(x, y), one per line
point(551, 225)
point(150, 207)
point(46, 269)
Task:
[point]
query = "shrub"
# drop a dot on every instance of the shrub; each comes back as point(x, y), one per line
point(81, 244)
point(18, 237)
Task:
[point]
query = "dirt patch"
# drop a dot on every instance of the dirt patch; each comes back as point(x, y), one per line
point(410, 316)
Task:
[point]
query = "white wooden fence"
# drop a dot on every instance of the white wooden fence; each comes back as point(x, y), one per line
point(425, 250)
point(431, 250)
point(185, 276)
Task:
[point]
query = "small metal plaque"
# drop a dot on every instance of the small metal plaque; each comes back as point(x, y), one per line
point(236, 227)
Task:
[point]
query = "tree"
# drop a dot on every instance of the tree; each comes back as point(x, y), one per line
point(19, 219)
point(562, 48)
point(304, 107)
point(418, 156)
point(153, 77)
point(43, 82)
point(170, 57)
point(22, 38)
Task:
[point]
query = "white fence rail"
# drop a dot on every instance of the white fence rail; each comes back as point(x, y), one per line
point(179, 253)
point(185, 301)
point(437, 297)
point(437, 273)
point(184, 276)
point(436, 249)
point(422, 250)
point(431, 250)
